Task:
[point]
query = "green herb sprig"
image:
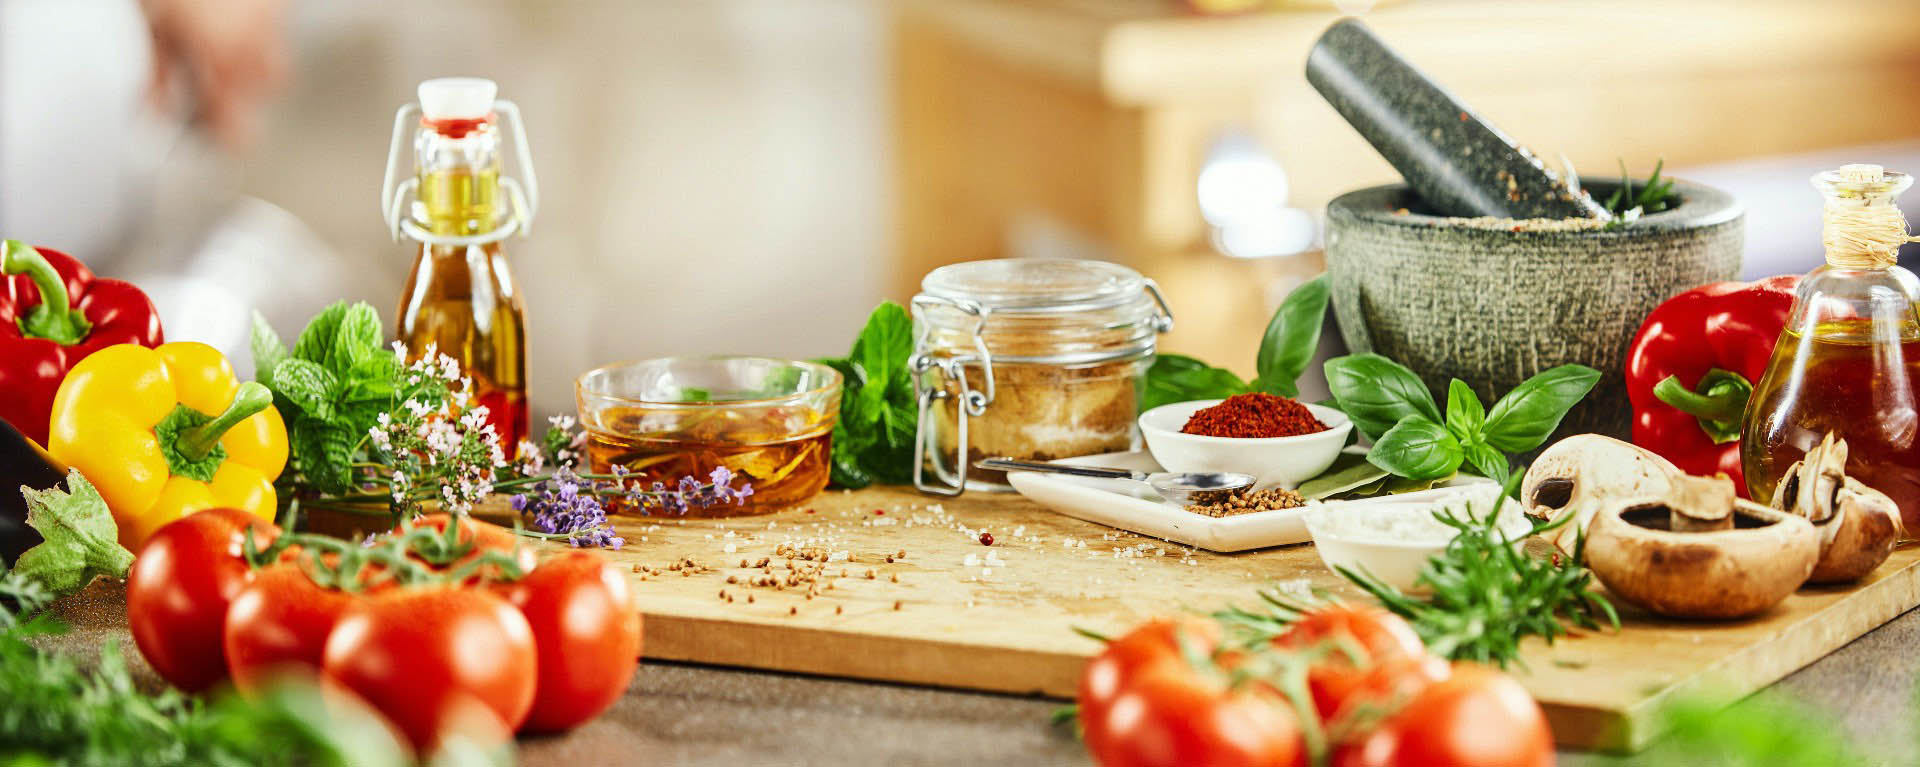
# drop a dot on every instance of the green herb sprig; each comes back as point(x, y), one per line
point(1655, 195)
point(1391, 406)
point(1286, 349)
point(873, 441)
point(1488, 594)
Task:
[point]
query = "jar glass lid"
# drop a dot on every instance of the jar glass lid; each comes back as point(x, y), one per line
point(1035, 284)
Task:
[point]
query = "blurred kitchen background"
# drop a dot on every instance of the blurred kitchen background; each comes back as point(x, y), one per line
point(751, 176)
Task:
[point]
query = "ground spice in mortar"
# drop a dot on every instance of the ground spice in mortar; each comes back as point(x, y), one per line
point(1254, 415)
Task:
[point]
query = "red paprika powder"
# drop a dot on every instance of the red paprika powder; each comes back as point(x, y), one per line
point(1254, 415)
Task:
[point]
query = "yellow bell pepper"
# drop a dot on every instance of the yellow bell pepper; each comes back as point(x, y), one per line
point(166, 432)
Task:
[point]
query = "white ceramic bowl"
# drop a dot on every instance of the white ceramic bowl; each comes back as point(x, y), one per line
point(1281, 461)
point(1398, 562)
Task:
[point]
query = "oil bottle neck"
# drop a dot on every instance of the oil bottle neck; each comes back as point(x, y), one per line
point(1861, 225)
point(457, 163)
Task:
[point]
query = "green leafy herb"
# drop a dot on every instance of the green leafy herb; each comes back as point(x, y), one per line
point(20, 598)
point(78, 538)
point(1654, 196)
point(873, 442)
point(1179, 378)
point(1292, 337)
point(1523, 419)
point(1377, 392)
point(1418, 445)
point(1488, 594)
point(1349, 472)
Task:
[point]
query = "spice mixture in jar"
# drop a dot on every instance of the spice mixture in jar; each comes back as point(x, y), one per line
point(1254, 415)
point(1030, 359)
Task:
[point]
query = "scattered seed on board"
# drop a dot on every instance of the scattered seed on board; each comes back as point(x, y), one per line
point(836, 609)
point(793, 611)
point(896, 605)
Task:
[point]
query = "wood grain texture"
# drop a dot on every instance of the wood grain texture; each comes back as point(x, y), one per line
point(1009, 625)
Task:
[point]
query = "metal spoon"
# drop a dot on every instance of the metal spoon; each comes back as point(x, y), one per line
point(1184, 488)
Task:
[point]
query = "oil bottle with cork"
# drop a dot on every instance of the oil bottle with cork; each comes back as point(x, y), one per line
point(1848, 361)
point(460, 208)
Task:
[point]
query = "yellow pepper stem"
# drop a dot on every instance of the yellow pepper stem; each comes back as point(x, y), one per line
point(197, 442)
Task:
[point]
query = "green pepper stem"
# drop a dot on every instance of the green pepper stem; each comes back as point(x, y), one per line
point(54, 319)
point(196, 442)
point(1719, 401)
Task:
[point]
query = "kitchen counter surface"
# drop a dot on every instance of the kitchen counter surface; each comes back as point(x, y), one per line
point(694, 715)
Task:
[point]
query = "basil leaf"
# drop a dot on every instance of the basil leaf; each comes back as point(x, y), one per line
point(267, 348)
point(1292, 337)
point(1490, 463)
point(1417, 448)
point(1349, 471)
point(1525, 417)
point(1377, 392)
point(1465, 414)
point(316, 341)
point(1179, 378)
point(306, 385)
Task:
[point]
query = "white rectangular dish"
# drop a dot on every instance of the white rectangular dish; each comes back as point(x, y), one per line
point(1135, 507)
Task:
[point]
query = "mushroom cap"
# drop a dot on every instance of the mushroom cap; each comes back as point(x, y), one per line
point(1722, 574)
point(1858, 525)
point(1580, 474)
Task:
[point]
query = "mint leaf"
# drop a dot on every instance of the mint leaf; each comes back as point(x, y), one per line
point(1291, 339)
point(325, 451)
point(306, 385)
point(356, 339)
point(79, 538)
point(268, 351)
point(316, 341)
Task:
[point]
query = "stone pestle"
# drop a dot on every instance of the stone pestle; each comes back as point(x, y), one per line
point(1459, 165)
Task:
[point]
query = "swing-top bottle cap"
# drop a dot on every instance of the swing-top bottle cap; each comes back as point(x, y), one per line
point(457, 98)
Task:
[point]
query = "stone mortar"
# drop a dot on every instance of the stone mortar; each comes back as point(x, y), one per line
point(1493, 307)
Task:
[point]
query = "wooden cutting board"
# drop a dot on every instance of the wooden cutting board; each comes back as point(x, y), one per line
point(953, 612)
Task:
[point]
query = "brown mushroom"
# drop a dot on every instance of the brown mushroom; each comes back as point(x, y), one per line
point(1727, 573)
point(1580, 474)
point(1858, 524)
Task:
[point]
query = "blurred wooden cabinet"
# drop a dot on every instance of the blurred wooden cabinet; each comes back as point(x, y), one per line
point(1095, 115)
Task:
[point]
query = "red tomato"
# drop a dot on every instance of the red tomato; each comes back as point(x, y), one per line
point(1357, 646)
point(586, 632)
point(1174, 716)
point(1113, 670)
point(1477, 717)
point(424, 656)
point(178, 591)
point(282, 619)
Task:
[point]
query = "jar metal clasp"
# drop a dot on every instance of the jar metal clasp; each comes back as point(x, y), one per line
point(972, 402)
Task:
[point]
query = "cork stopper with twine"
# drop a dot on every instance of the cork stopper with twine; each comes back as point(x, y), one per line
point(1861, 226)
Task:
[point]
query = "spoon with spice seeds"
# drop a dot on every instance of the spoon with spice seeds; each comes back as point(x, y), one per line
point(1181, 488)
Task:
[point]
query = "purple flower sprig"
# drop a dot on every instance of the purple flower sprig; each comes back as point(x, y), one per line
point(569, 505)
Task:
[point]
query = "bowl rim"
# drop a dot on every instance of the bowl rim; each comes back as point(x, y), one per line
point(831, 382)
point(1326, 415)
point(1701, 206)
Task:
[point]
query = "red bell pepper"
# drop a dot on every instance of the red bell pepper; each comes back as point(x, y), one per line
point(53, 313)
point(1691, 368)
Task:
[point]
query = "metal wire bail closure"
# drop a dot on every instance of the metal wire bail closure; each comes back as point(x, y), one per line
point(397, 192)
point(972, 402)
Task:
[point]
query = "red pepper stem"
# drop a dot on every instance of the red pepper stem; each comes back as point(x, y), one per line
point(54, 319)
point(1719, 401)
point(196, 442)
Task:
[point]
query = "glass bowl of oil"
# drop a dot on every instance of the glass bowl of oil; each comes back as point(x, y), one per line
point(768, 421)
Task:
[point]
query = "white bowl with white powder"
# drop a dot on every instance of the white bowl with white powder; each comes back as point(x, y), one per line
point(1391, 539)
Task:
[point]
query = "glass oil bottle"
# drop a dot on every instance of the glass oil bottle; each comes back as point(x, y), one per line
point(1846, 361)
point(461, 298)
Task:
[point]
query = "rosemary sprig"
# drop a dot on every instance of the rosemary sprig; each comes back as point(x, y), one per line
point(1488, 595)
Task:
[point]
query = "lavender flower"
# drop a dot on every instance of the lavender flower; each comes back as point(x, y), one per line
point(557, 507)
